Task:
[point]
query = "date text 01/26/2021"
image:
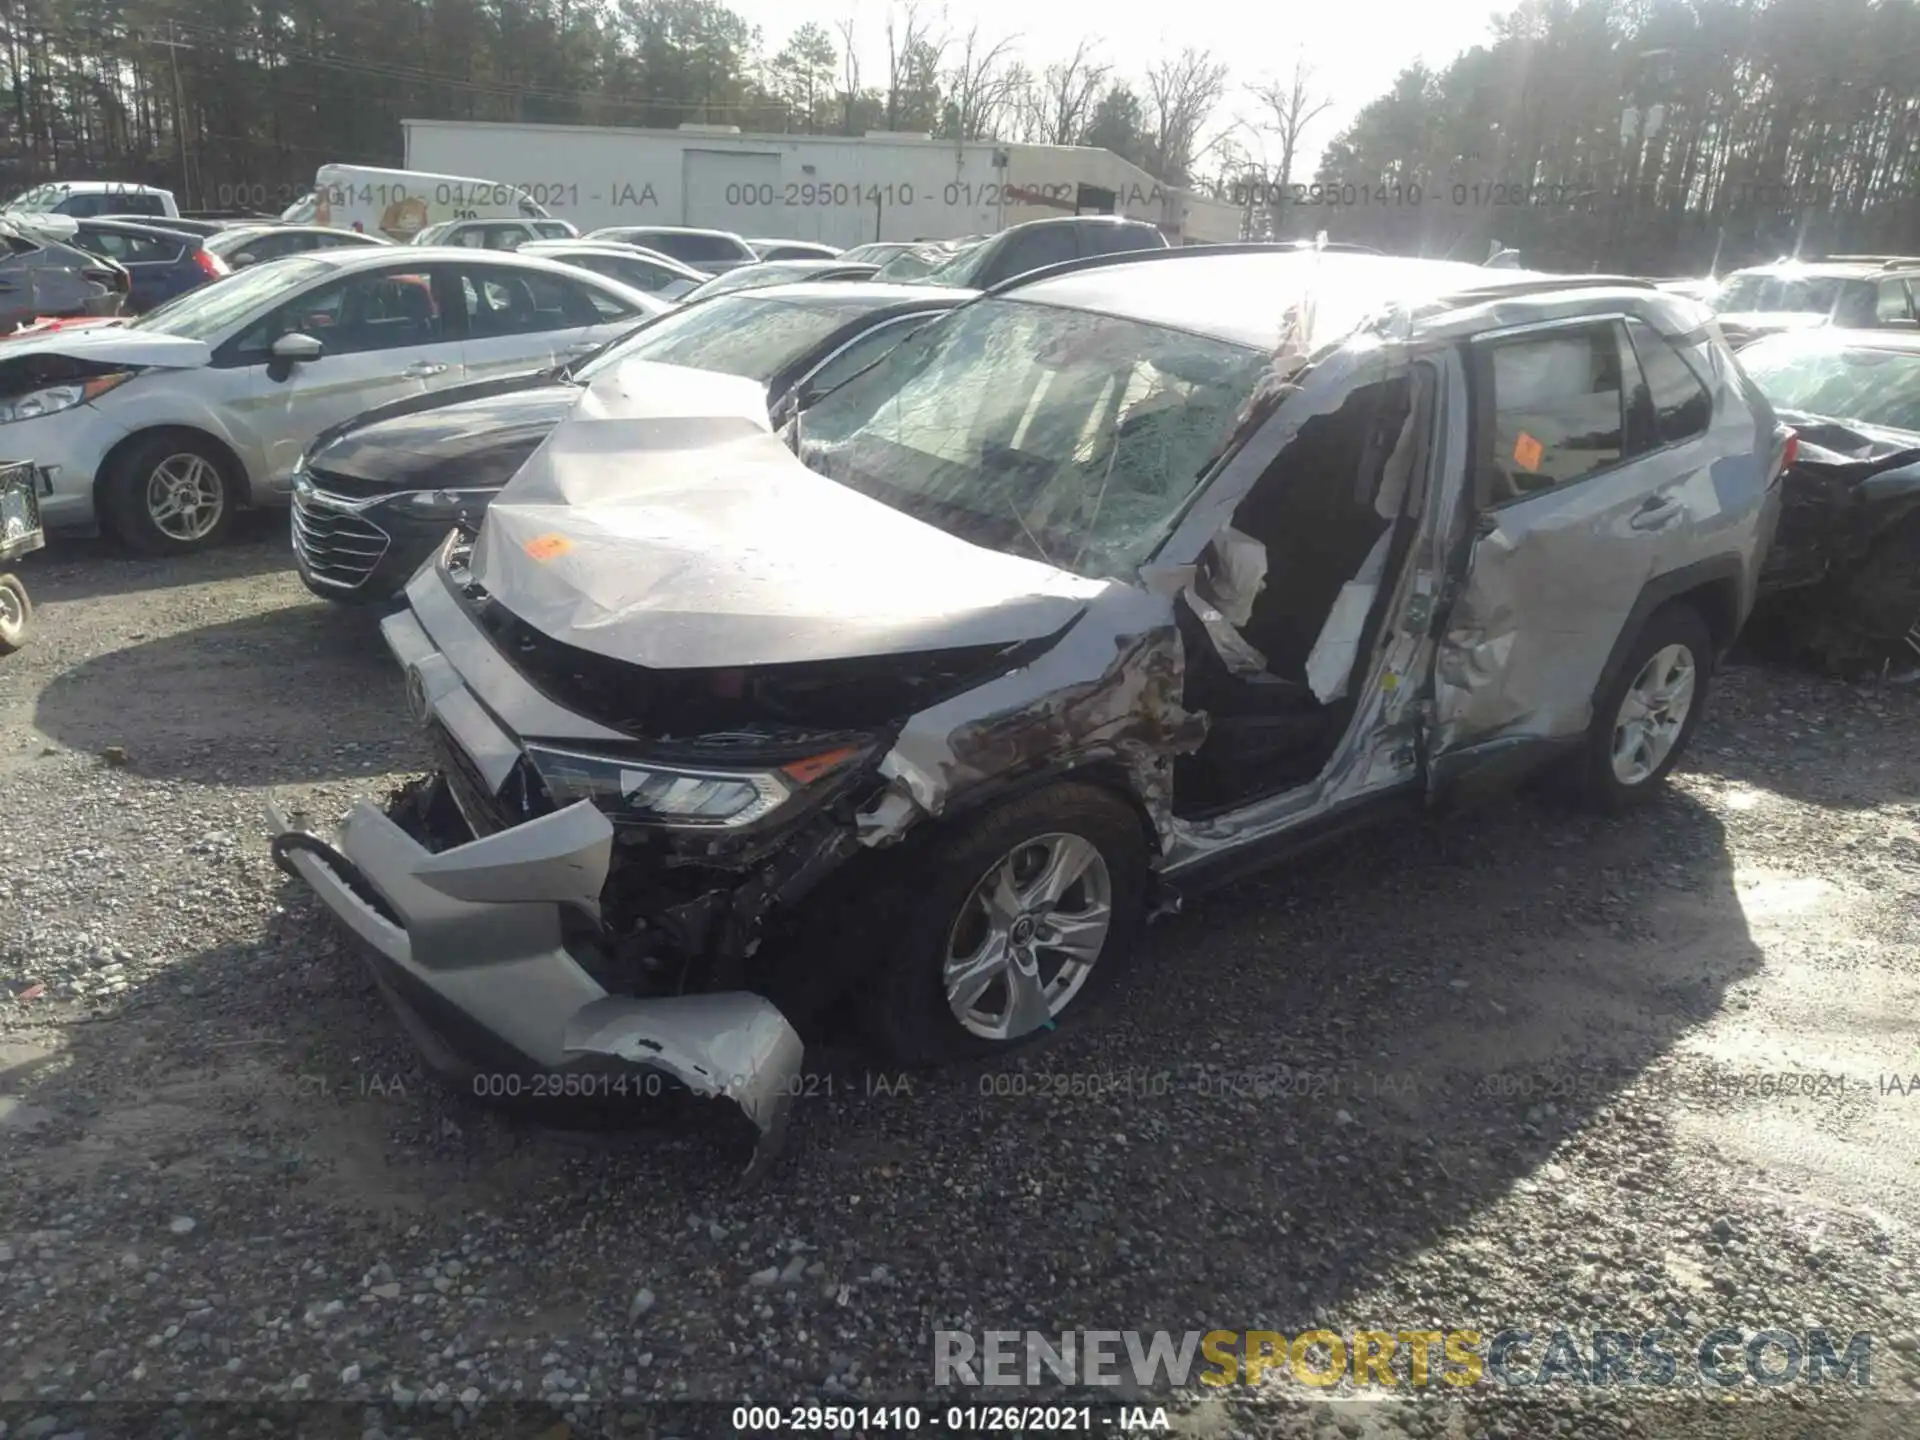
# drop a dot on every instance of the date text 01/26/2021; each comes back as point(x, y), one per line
point(951, 1419)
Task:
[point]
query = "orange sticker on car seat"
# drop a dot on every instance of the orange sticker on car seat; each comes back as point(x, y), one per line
point(545, 547)
point(1528, 452)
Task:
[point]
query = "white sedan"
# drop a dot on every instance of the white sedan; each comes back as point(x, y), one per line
point(160, 428)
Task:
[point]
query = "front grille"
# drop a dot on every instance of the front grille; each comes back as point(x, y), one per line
point(523, 797)
point(331, 482)
point(338, 545)
point(477, 803)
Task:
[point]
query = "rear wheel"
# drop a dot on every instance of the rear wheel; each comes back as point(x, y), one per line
point(171, 494)
point(1642, 723)
point(1001, 928)
point(15, 611)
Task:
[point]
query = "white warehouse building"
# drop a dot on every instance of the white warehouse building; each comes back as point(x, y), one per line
point(839, 189)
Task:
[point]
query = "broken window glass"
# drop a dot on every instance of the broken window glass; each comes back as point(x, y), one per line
point(1068, 437)
point(1841, 382)
point(1557, 410)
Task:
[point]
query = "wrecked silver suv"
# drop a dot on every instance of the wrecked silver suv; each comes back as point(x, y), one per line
point(1103, 586)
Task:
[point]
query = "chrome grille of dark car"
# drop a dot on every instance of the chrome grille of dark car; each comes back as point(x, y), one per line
point(338, 545)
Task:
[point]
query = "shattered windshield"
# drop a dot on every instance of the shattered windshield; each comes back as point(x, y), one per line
point(1064, 436)
point(1854, 382)
point(740, 334)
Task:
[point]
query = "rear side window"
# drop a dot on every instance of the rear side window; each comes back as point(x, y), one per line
point(141, 205)
point(518, 302)
point(694, 247)
point(1046, 246)
point(1556, 410)
point(1114, 239)
point(131, 249)
point(1677, 406)
point(553, 229)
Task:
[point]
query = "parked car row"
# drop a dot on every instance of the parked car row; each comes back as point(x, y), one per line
point(894, 651)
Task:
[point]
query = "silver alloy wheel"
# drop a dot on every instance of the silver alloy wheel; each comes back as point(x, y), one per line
point(185, 498)
point(12, 616)
point(1028, 936)
point(1652, 714)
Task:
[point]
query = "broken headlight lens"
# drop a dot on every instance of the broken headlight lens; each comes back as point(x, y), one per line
point(54, 398)
point(645, 792)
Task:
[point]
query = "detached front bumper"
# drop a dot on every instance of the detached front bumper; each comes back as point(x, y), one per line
point(467, 944)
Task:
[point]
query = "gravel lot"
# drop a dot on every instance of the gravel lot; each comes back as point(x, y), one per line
point(223, 1175)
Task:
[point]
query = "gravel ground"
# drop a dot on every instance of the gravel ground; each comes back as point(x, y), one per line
point(1499, 1073)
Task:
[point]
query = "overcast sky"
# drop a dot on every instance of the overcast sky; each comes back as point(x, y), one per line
point(1355, 46)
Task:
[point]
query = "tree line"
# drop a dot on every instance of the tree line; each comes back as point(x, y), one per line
point(223, 98)
point(1640, 135)
point(1660, 136)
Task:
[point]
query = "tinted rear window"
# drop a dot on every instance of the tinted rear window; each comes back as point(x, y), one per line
point(692, 247)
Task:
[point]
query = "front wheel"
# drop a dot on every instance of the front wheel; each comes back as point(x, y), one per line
point(171, 494)
point(15, 611)
point(1002, 927)
point(1641, 725)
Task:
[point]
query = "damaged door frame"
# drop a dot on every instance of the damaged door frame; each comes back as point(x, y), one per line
point(1378, 759)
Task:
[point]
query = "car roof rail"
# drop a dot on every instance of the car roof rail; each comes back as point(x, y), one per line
point(1547, 283)
point(1888, 262)
point(1165, 252)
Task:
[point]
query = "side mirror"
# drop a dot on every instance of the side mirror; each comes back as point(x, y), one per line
point(297, 347)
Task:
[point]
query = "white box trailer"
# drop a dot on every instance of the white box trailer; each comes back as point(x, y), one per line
point(841, 190)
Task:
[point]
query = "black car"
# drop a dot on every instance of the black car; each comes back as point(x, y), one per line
point(1038, 244)
point(375, 495)
point(1842, 579)
point(42, 278)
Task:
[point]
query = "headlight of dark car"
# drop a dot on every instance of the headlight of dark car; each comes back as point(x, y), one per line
point(650, 792)
point(452, 506)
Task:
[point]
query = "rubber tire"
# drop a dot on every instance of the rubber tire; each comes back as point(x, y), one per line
point(904, 1002)
point(13, 636)
point(123, 499)
point(1598, 787)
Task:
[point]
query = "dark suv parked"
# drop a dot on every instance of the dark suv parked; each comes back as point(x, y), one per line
point(1038, 244)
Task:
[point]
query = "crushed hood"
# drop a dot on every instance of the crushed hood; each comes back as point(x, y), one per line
point(664, 524)
point(113, 345)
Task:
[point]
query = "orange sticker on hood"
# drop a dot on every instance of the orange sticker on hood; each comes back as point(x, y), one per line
point(1528, 452)
point(545, 547)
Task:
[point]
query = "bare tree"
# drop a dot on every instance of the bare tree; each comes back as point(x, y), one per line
point(849, 71)
point(982, 85)
point(913, 61)
point(1293, 105)
point(1062, 103)
point(1181, 95)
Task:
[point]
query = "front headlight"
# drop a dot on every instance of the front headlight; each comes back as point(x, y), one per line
point(449, 505)
point(55, 398)
point(645, 792)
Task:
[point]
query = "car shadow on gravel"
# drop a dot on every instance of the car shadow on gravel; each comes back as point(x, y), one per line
point(84, 568)
point(304, 693)
point(1305, 1084)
